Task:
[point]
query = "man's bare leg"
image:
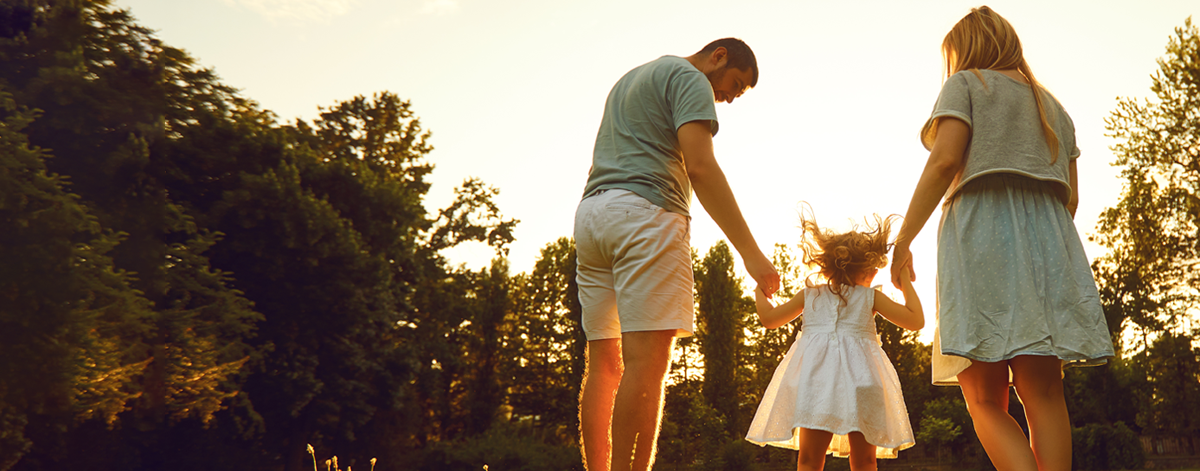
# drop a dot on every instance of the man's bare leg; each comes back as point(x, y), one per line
point(638, 407)
point(601, 377)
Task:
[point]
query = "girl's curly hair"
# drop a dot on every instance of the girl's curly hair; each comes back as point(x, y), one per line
point(843, 258)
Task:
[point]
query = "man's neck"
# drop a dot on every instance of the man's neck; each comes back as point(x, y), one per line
point(700, 62)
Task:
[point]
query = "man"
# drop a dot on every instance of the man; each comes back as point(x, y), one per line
point(632, 239)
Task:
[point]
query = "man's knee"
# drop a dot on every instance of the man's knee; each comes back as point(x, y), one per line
point(604, 360)
point(647, 351)
point(606, 371)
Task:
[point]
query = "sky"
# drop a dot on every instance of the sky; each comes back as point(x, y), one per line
point(513, 91)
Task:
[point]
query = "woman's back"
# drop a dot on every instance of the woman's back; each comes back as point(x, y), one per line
point(1006, 134)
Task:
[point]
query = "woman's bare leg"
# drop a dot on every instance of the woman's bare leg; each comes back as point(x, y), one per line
point(985, 389)
point(1038, 380)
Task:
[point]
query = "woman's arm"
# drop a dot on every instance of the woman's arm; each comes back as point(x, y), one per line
point(1073, 205)
point(772, 316)
point(945, 161)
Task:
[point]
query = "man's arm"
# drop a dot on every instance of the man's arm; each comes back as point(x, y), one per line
point(712, 189)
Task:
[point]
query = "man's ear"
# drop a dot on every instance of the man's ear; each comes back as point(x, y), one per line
point(719, 57)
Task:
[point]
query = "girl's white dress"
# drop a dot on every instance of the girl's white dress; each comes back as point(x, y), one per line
point(835, 378)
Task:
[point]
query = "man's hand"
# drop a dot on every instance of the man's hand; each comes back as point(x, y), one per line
point(763, 273)
point(711, 188)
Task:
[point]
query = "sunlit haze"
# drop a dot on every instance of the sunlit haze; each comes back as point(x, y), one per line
point(513, 91)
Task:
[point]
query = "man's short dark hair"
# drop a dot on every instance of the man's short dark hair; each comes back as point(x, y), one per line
point(739, 56)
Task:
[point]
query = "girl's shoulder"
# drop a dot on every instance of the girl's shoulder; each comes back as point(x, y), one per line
point(846, 291)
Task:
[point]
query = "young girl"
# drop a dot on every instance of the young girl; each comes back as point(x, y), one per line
point(835, 391)
point(1016, 297)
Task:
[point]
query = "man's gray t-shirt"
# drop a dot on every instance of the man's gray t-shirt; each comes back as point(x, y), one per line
point(637, 148)
point(1006, 133)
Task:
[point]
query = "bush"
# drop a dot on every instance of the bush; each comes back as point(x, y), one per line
point(504, 447)
point(737, 454)
point(1102, 447)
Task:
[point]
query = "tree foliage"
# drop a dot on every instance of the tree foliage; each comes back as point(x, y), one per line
point(212, 279)
point(71, 323)
point(722, 318)
point(1149, 275)
point(546, 371)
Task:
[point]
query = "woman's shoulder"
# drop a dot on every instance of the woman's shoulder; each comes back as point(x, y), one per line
point(987, 79)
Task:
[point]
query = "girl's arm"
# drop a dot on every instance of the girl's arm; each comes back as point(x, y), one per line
point(945, 160)
point(772, 316)
point(909, 316)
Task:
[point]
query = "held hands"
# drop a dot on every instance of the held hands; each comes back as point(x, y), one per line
point(902, 265)
point(763, 273)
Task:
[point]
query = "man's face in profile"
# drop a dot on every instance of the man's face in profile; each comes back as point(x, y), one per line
point(728, 83)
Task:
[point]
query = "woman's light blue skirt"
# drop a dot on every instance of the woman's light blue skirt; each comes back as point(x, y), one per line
point(1013, 279)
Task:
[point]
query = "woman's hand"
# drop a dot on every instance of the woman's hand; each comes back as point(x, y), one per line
point(902, 265)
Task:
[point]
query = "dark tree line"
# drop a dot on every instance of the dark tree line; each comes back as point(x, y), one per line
point(188, 283)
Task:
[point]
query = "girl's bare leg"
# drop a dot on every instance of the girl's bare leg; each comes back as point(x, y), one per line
point(862, 454)
point(813, 445)
point(1038, 380)
point(985, 389)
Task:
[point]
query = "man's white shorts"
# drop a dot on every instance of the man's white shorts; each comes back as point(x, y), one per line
point(635, 266)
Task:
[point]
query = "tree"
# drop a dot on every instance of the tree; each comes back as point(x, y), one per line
point(106, 90)
point(234, 289)
point(1105, 394)
point(945, 422)
point(937, 431)
point(544, 379)
point(1153, 233)
point(491, 323)
point(71, 323)
point(440, 323)
point(722, 319)
point(1148, 278)
point(1170, 399)
point(335, 247)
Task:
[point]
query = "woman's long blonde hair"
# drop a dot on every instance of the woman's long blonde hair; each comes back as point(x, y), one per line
point(985, 40)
